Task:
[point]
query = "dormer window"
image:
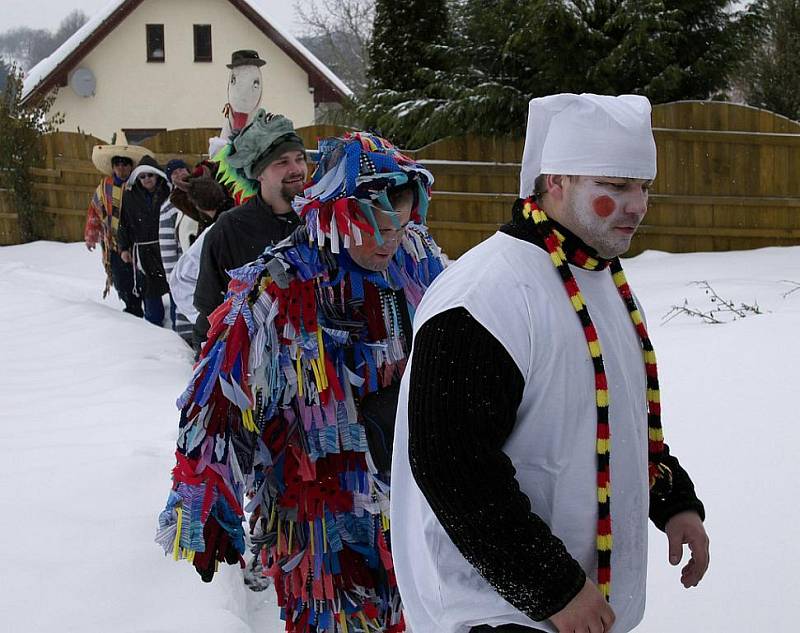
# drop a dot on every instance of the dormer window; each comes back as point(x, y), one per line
point(202, 42)
point(155, 43)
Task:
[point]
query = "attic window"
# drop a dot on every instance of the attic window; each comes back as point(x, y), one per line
point(202, 42)
point(155, 42)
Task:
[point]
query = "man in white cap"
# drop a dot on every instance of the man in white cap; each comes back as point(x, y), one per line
point(532, 387)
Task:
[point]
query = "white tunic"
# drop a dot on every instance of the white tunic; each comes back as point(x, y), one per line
point(512, 288)
point(183, 280)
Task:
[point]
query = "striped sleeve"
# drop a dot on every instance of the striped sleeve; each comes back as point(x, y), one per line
point(167, 240)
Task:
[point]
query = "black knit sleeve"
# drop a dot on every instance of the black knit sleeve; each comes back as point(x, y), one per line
point(465, 391)
point(668, 500)
point(210, 289)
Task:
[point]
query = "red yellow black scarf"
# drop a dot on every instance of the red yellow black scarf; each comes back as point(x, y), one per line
point(562, 253)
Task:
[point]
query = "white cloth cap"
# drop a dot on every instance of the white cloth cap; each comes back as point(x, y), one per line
point(588, 135)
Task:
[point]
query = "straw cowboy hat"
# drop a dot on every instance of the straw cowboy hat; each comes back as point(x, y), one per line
point(102, 154)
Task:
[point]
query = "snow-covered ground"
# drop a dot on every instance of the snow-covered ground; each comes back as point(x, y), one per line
point(87, 426)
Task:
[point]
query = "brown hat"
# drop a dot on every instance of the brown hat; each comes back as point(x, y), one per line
point(256, 145)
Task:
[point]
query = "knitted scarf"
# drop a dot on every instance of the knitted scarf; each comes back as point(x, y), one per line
point(562, 253)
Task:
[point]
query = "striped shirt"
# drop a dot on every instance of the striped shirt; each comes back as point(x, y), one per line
point(170, 252)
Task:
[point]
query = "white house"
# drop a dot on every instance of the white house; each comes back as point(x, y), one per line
point(149, 65)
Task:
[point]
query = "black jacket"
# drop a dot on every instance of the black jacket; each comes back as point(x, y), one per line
point(238, 237)
point(138, 231)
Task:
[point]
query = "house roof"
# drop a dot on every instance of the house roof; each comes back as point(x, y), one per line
point(53, 70)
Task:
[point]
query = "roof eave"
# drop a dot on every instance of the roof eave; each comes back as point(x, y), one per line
point(325, 90)
point(58, 76)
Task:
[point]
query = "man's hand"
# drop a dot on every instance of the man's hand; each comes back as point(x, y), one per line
point(126, 256)
point(588, 612)
point(686, 527)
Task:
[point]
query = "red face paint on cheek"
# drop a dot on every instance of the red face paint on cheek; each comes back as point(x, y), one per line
point(604, 206)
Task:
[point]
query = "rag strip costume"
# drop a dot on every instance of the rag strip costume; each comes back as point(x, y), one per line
point(299, 360)
point(507, 447)
point(102, 222)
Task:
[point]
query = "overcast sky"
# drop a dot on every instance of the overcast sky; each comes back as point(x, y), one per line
point(47, 14)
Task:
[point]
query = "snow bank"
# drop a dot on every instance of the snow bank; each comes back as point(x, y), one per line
point(729, 394)
point(87, 429)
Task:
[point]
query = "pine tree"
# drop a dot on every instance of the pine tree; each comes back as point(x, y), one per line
point(404, 40)
point(505, 52)
point(21, 127)
point(4, 72)
point(771, 76)
point(712, 41)
point(414, 115)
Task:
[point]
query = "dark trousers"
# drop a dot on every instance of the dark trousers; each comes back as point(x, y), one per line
point(154, 310)
point(122, 278)
point(173, 313)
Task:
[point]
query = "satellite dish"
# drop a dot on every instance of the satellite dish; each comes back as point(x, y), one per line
point(83, 82)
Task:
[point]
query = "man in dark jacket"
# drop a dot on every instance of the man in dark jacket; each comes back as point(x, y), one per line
point(138, 235)
point(268, 158)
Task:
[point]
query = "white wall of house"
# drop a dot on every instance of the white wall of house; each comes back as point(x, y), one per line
point(133, 93)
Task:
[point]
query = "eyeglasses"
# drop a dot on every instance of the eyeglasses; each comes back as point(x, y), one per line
point(393, 235)
point(145, 176)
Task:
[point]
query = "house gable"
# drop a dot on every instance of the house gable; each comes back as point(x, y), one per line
point(53, 71)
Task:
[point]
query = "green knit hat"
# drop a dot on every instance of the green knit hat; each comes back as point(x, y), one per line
point(256, 145)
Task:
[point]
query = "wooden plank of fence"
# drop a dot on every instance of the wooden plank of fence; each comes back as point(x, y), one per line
point(181, 142)
point(51, 186)
point(312, 133)
point(745, 138)
point(718, 115)
point(8, 219)
point(71, 212)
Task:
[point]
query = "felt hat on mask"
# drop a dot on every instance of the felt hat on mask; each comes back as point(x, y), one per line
point(245, 58)
point(245, 157)
point(588, 135)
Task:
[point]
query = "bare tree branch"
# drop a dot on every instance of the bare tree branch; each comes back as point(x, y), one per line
point(339, 33)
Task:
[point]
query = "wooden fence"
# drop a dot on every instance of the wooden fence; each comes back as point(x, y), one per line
point(64, 184)
point(728, 178)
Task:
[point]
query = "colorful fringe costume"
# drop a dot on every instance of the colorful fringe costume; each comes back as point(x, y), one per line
point(102, 222)
point(274, 409)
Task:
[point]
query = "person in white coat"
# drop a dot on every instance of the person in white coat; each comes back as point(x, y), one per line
point(532, 394)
